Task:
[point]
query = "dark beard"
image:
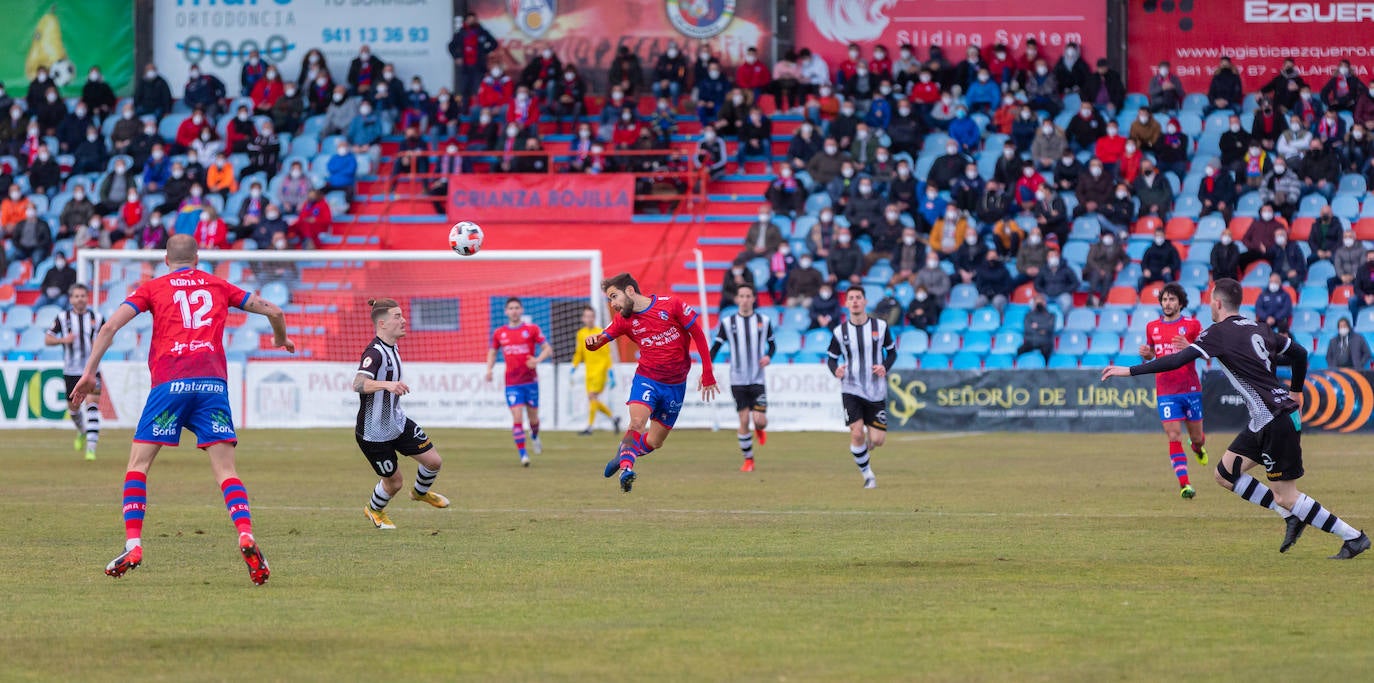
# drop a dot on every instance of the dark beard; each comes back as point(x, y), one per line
point(629, 310)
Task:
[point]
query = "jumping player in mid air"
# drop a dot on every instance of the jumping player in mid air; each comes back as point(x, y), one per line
point(1179, 391)
point(661, 327)
point(75, 329)
point(598, 364)
point(189, 389)
point(750, 337)
point(383, 429)
point(519, 342)
point(1248, 352)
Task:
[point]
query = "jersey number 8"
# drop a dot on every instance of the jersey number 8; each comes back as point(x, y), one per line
point(194, 320)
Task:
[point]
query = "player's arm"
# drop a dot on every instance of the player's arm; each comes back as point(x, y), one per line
point(604, 337)
point(718, 342)
point(274, 315)
point(365, 382)
point(708, 377)
point(103, 340)
point(491, 361)
point(832, 357)
point(1296, 356)
point(889, 351)
point(1172, 361)
point(545, 353)
point(772, 348)
point(51, 338)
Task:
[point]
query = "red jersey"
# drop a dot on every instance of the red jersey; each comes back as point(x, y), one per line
point(1160, 334)
point(189, 308)
point(661, 333)
point(518, 344)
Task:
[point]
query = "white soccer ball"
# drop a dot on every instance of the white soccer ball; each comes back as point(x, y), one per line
point(62, 72)
point(465, 238)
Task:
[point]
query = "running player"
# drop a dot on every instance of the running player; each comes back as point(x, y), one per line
point(752, 347)
point(75, 330)
point(519, 341)
point(1179, 391)
point(660, 326)
point(189, 389)
point(383, 429)
point(1248, 352)
point(598, 364)
point(861, 352)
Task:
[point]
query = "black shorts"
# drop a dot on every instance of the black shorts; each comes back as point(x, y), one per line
point(872, 413)
point(750, 397)
point(71, 381)
point(382, 454)
point(1278, 447)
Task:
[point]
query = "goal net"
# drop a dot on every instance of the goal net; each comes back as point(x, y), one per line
point(452, 303)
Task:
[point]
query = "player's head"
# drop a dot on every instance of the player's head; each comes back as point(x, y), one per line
point(620, 292)
point(588, 316)
point(856, 301)
point(515, 311)
point(1226, 298)
point(79, 296)
point(387, 318)
point(745, 298)
point(1172, 299)
point(181, 252)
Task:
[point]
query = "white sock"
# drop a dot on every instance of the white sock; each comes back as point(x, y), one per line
point(860, 454)
point(133, 543)
point(1312, 512)
point(1251, 489)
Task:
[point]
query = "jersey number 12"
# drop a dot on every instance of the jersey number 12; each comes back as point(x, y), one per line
point(199, 298)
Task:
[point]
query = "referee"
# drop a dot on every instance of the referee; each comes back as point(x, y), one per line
point(75, 329)
point(861, 353)
point(750, 337)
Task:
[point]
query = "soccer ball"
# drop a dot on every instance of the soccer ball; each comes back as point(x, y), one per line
point(465, 238)
point(62, 72)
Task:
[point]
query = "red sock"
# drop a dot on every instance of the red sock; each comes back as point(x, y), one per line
point(236, 501)
point(1180, 462)
point(135, 503)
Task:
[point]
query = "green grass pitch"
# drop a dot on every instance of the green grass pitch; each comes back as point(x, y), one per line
point(980, 557)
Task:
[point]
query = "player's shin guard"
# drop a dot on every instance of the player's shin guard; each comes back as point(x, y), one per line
point(632, 447)
point(517, 433)
point(1313, 514)
point(91, 425)
point(424, 478)
point(746, 444)
point(135, 504)
point(379, 497)
point(1180, 462)
point(1251, 489)
point(860, 454)
point(236, 501)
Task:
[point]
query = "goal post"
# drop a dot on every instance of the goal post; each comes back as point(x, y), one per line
point(452, 302)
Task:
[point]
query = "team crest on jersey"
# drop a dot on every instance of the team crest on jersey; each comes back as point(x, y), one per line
point(524, 334)
point(700, 18)
point(367, 361)
point(663, 315)
point(874, 333)
point(534, 18)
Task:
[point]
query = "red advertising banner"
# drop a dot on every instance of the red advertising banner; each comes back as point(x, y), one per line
point(588, 32)
point(540, 197)
point(828, 26)
point(1257, 34)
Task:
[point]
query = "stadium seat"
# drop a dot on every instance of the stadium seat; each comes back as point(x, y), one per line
point(1179, 229)
point(1075, 252)
point(880, 274)
point(1030, 360)
point(1306, 320)
point(19, 317)
point(796, 318)
point(944, 343)
point(953, 320)
point(1122, 296)
point(1346, 206)
point(963, 297)
point(816, 340)
point(1072, 343)
point(1352, 184)
point(934, 361)
point(1060, 361)
point(1095, 360)
point(1194, 275)
point(913, 341)
point(1105, 343)
point(985, 319)
point(1080, 320)
point(965, 360)
point(1006, 343)
point(1146, 226)
point(1311, 205)
point(788, 341)
point(1113, 319)
point(1209, 227)
point(1257, 275)
point(1364, 322)
point(977, 342)
point(1364, 228)
point(1313, 296)
point(998, 362)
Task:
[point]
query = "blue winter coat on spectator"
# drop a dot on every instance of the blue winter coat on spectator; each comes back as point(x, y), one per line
point(979, 93)
point(713, 90)
point(879, 113)
point(157, 171)
point(365, 130)
point(1277, 305)
point(964, 130)
point(343, 170)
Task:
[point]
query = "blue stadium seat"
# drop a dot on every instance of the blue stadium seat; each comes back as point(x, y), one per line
point(1320, 271)
point(1006, 343)
point(1364, 322)
point(1306, 320)
point(788, 341)
point(1060, 361)
point(963, 297)
point(1113, 319)
point(1014, 317)
point(1086, 228)
point(33, 340)
point(953, 320)
point(1352, 184)
point(1136, 246)
point(1076, 252)
point(1346, 206)
point(985, 319)
point(913, 341)
point(1312, 205)
point(880, 274)
point(796, 318)
point(998, 362)
point(1187, 205)
point(1200, 251)
point(1258, 276)
point(1195, 275)
point(1072, 343)
point(1030, 360)
point(904, 293)
point(934, 361)
point(946, 343)
point(977, 342)
point(966, 361)
point(817, 340)
point(1105, 343)
point(1095, 360)
point(1081, 320)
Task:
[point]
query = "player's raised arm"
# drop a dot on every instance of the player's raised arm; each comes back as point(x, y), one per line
point(274, 315)
point(103, 340)
point(1295, 355)
point(1172, 361)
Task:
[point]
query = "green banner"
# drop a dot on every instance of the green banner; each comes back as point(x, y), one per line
point(68, 37)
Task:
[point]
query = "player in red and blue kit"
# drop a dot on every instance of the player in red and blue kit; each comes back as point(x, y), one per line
point(524, 347)
point(1179, 392)
point(661, 327)
point(189, 389)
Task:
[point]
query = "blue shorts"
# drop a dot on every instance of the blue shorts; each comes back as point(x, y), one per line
point(664, 400)
point(200, 405)
point(1175, 407)
point(523, 395)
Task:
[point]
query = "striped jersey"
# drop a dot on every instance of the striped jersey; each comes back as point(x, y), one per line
point(1246, 351)
point(750, 338)
point(81, 326)
point(380, 417)
point(859, 347)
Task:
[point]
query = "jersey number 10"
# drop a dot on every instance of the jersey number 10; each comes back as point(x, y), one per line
point(201, 299)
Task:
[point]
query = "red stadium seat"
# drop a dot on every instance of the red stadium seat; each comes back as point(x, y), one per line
point(1122, 296)
point(1239, 226)
point(1301, 229)
point(1249, 295)
point(1146, 225)
point(1150, 295)
point(1341, 296)
point(1178, 228)
point(1022, 295)
point(1364, 229)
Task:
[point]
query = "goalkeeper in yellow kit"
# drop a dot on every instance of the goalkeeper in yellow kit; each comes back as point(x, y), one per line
point(598, 369)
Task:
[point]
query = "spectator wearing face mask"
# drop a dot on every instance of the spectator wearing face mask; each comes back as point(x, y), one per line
point(1056, 281)
point(1051, 215)
point(1347, 259)
point(993, 281)
point(1165, 89)
point(1132, 157)
point(342, 168)
point(1346, 349)
point(1359, 150)
point(1225, 258)
point(157, 171)
point(145, 145)
point(1084, 129)
point(75, 213)
point(267, 90)
point(446, 166)
point(469, 48)
point(826, 166)
point(1117, 214)
point(97, 95)
point(785, 193)
point(1172, 149)
point(220, 177)
point(294, 190)
point(90, 155)
point(967, 189)
point(1235, 142)
point(289, 110)
point(45, 176)
point(1160, 263)
point(204, 91)
point(1259, 239)
point(821, 237)
point(176, 190)
point(1282, 188)
point(49, 111)
point(846, 260)
point(252, 212)
point(670, 74)
point(711, 153)
point(1342, 89)
point(711, 92)
point(1274, 307)
point(314, 219)
point(1321, 170)
point(923, 313)
point(1106, 258)
point(112, 189)
point(1049, 144)
point(30, 237)
point(1093, 190)
point(825, 308)
point(737, 276)
point(1217, 191)
point(152, 232)
point(755, 138)
point(340, 112)
point(1145, 130)
point(1031, 257)
point(908, 257)
point(271, 228)
point(932, 277)
point(411, 159)
point(1288, 260)
point(1042, 89)
point(763, 236)
point(240, 131)
point(569, 97)
point(1037, 330)
point(968, 258)
point(1324, 236)
point(804, 282)
point(1294, 142)
point(72, 128)
point(59, 278)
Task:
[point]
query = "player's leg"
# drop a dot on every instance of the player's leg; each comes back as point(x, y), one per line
point(1173, 432)
point(1282, 439)
point(632, 444)
point(517, 419)
point(744, 435)
point(90, 421)
point(593, 400)
point(532, 412)
point(74, 412)
point(236, 502)
point(415, 443)
point(759, 405)
point(135, 505)
point(858, 447)
point(1196, 438)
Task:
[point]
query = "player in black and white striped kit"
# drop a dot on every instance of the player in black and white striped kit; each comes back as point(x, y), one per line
point(75, 329)
point(383, 429)
point(861, 353)
point(750, 337)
